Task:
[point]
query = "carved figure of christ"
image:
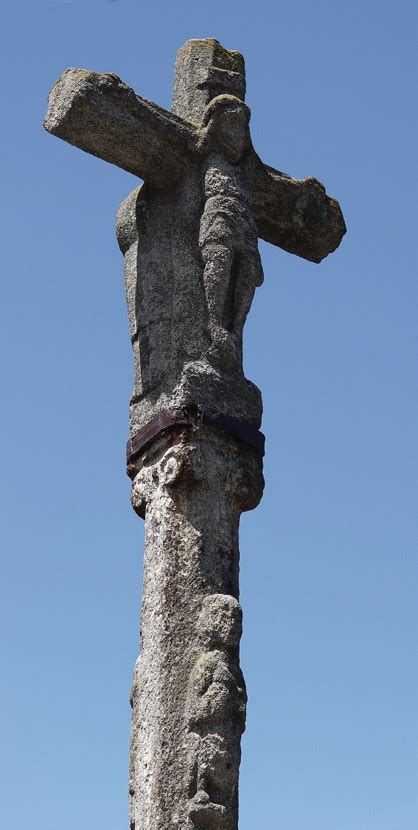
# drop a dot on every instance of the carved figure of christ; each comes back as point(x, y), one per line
point(189, 236)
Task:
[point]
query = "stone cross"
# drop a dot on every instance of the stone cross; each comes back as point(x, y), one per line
point(189, 236)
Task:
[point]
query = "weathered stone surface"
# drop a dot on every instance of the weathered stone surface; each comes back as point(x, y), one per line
point(189, 236)
point(105, 117)
point(204, 69)
point(188, 692)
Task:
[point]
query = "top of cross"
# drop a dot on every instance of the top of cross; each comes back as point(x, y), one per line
point(103, 116)
point(204, 69)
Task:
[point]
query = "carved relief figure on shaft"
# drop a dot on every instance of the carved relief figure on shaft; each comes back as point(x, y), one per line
point(216, 715)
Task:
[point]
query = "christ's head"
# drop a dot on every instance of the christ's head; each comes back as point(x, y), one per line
point(226, 120)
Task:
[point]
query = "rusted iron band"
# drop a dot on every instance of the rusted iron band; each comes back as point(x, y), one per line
point(190, 418)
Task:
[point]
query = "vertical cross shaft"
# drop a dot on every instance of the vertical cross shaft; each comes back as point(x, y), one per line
point(188, 694)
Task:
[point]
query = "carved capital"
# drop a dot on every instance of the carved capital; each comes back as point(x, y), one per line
point(185, 466)
point(175, 465)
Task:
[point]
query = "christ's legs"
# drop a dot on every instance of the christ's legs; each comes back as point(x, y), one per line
point(217, 261)
point(218, 280)
point(249, 278)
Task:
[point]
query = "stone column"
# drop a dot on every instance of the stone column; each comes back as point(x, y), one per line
point(188, 694)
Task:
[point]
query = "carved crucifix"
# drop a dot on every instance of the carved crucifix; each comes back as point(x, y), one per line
point(189, 236)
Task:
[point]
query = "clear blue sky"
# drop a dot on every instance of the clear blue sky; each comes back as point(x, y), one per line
point(328, 577)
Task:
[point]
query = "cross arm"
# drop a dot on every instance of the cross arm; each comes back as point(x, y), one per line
point(295, 214)
point(100, 114)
